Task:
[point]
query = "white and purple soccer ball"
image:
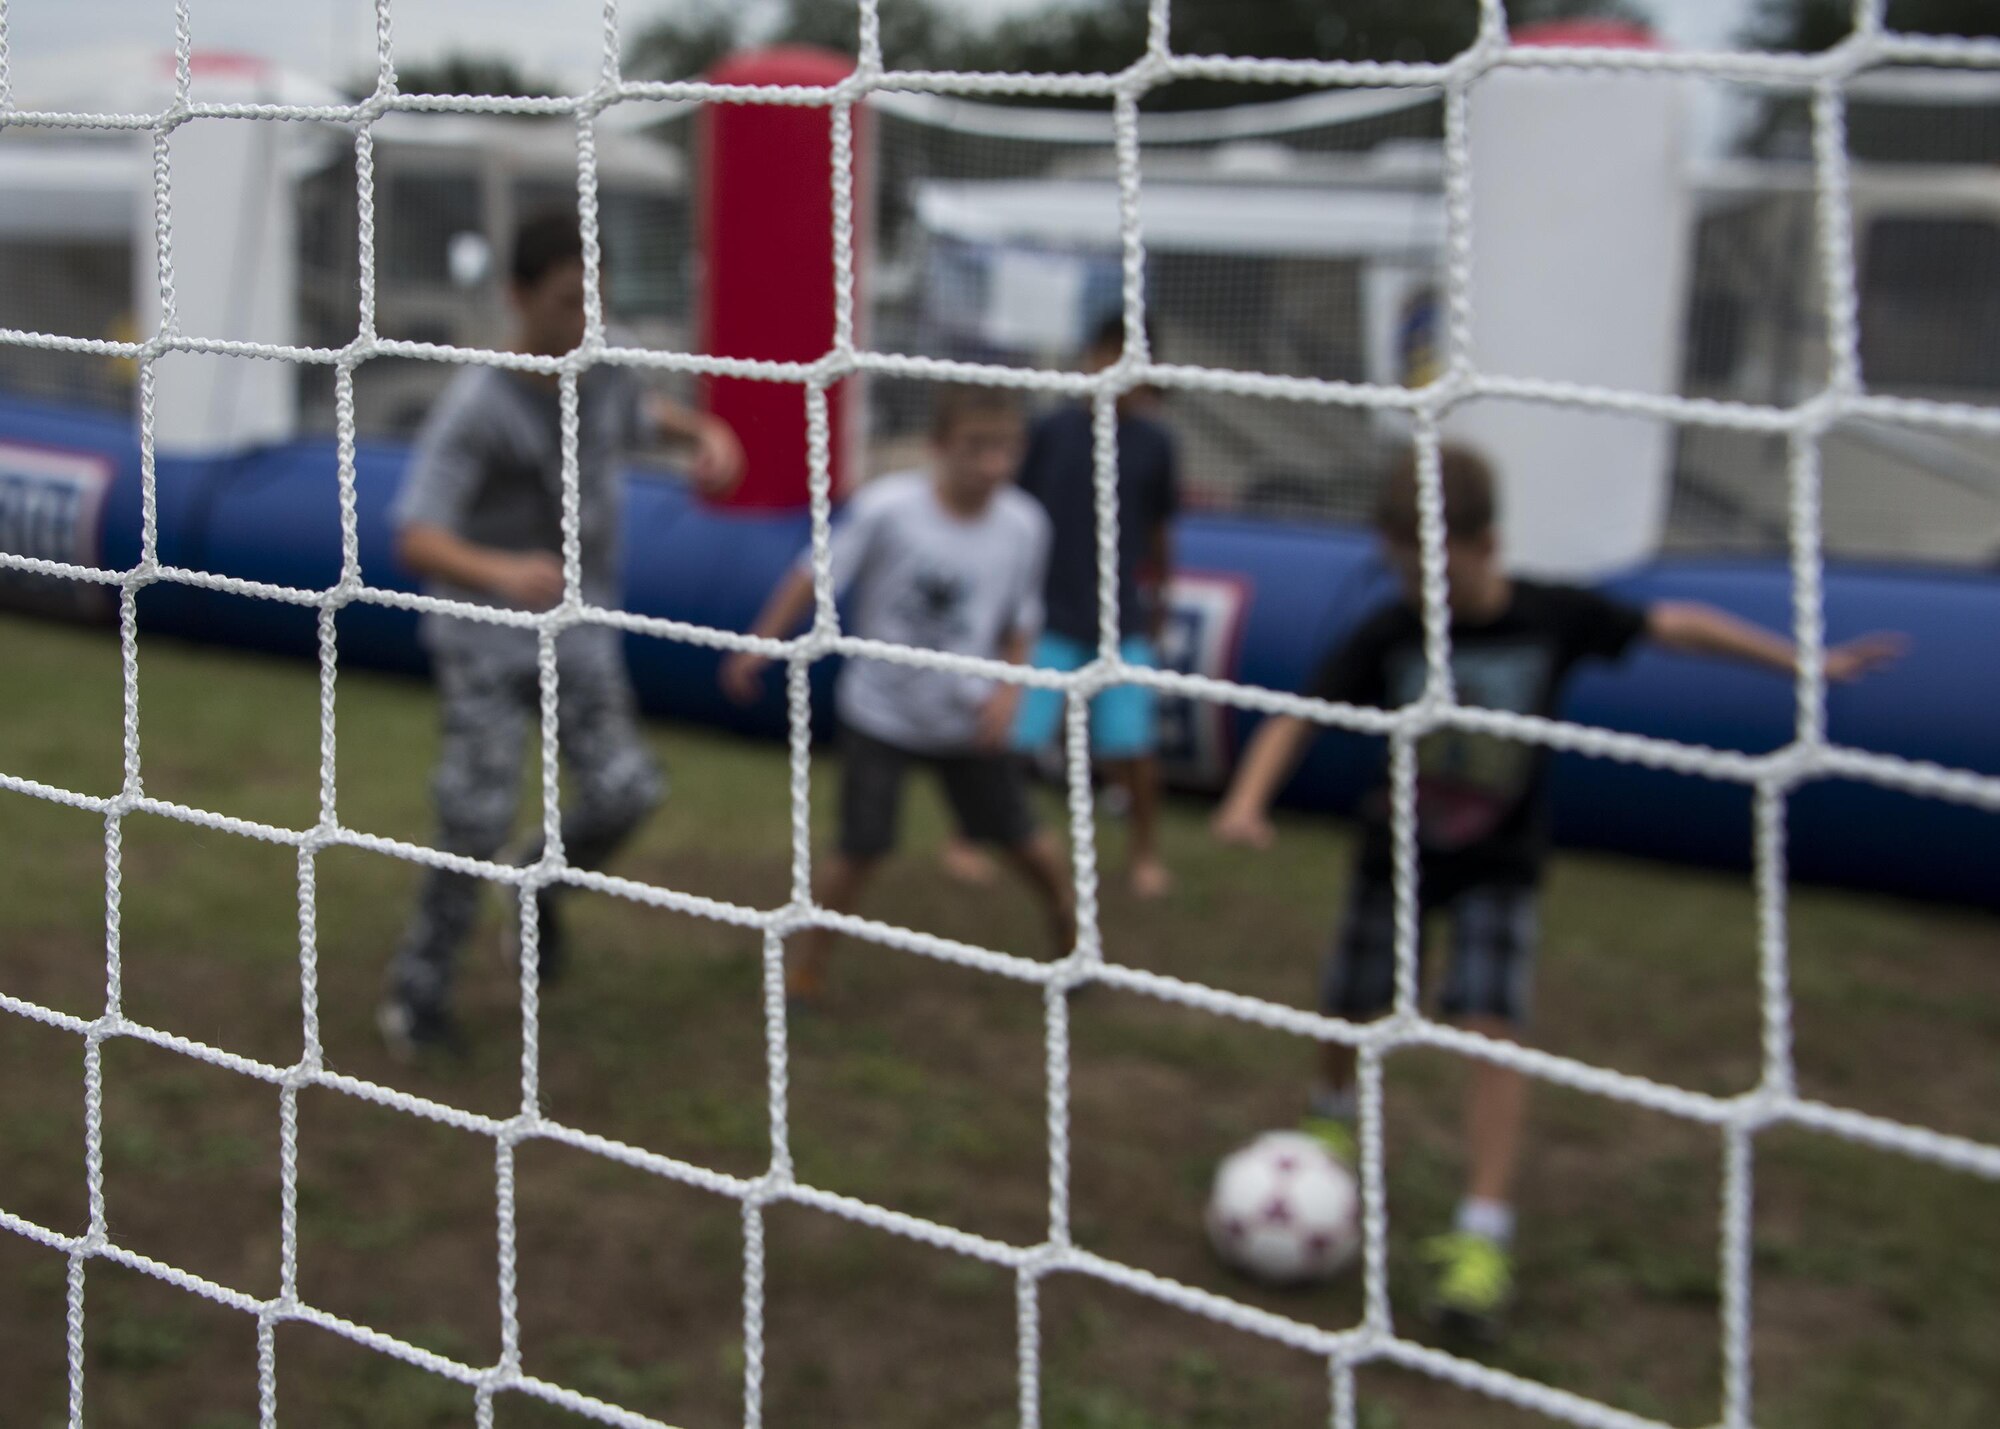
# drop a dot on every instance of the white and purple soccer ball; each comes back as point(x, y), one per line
point(1284, 1210)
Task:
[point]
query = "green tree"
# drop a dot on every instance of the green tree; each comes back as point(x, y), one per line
point(916, 34)
point(1112, 33)
point(688, 40)
point(1814, 25)
point(1878, 129)
point(684, 43)
point(1099, 35)
point(467, 74)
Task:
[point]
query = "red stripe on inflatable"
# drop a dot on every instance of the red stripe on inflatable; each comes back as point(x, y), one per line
point(1588, 34)
point(766, 244)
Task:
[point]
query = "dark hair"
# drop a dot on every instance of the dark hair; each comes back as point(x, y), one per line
point(543, 242)
point(1470, 502)
point(955, 402)
point(1107, 334)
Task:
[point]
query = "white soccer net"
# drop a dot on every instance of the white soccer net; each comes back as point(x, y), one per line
point(1773, 777)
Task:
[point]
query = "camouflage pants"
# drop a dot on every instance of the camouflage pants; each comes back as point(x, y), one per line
point(491, 709)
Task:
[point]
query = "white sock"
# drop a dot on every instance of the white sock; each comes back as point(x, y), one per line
point(1335, 1104)
point(1490, 1220)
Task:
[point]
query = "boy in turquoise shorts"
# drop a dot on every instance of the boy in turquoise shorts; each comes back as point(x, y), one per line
point(1058, 471)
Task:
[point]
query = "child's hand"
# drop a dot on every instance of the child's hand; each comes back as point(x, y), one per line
point(527, 580)
point(1855, 658)
point(743, 677)
point(718, 458)
point(1247, 827)
point(996, 719)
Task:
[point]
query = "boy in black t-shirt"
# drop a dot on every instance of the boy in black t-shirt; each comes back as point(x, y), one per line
point(1482, 816)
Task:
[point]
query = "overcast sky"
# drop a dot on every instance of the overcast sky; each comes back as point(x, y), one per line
point(334, 39)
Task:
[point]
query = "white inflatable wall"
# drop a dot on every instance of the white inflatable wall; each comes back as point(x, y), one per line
point(235, 251)
point(235, 234)
point(1581, 227)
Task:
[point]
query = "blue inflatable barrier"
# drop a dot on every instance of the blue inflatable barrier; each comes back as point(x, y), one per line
point(1260, 602)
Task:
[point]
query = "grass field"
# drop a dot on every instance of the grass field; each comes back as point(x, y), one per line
point(921, 1088)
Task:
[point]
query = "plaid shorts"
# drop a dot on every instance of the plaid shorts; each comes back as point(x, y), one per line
point(1494, 930)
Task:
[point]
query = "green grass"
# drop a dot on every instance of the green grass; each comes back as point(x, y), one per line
point(1878, 1278)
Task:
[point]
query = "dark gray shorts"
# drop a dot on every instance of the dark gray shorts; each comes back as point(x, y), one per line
point(1494, 930)
point(988, 795)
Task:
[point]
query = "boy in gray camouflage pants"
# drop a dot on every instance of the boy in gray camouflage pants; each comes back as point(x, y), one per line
point(480, 519)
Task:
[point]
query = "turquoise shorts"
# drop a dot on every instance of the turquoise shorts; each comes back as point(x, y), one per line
point(1122, 718)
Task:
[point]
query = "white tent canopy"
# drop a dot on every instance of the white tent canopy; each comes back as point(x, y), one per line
point(72, 191)
point(132, 79)
point(1269, 220)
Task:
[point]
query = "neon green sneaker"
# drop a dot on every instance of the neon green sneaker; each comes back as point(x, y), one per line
point(1474, 1284)
point(1336, 1136)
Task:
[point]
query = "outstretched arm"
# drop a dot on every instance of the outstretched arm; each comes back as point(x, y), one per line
point(718, 455)
point(1275, 750)
point(743, 671)
point(1691, 628)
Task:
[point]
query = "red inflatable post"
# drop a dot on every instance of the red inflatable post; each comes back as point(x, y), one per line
point(766, 291)
point(1588, 33)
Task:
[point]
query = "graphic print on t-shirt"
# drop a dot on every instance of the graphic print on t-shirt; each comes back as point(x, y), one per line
point(1468, 783)
point(933, 608)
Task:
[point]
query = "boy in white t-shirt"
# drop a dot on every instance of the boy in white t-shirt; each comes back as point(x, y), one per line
point(951, 559)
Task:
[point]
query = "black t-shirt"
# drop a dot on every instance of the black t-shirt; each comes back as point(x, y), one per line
point(1057, 471)
point(1482, 801)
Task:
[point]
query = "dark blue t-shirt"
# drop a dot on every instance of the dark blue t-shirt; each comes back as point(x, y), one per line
point(1057, 471)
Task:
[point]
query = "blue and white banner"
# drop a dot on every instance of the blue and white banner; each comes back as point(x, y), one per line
point(1203, 635)
point(52, 508)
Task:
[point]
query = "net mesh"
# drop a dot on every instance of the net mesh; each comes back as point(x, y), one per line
point(1800, 427)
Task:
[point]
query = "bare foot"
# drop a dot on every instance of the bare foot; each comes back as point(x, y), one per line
point(967, 863)
point(1150, 879)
